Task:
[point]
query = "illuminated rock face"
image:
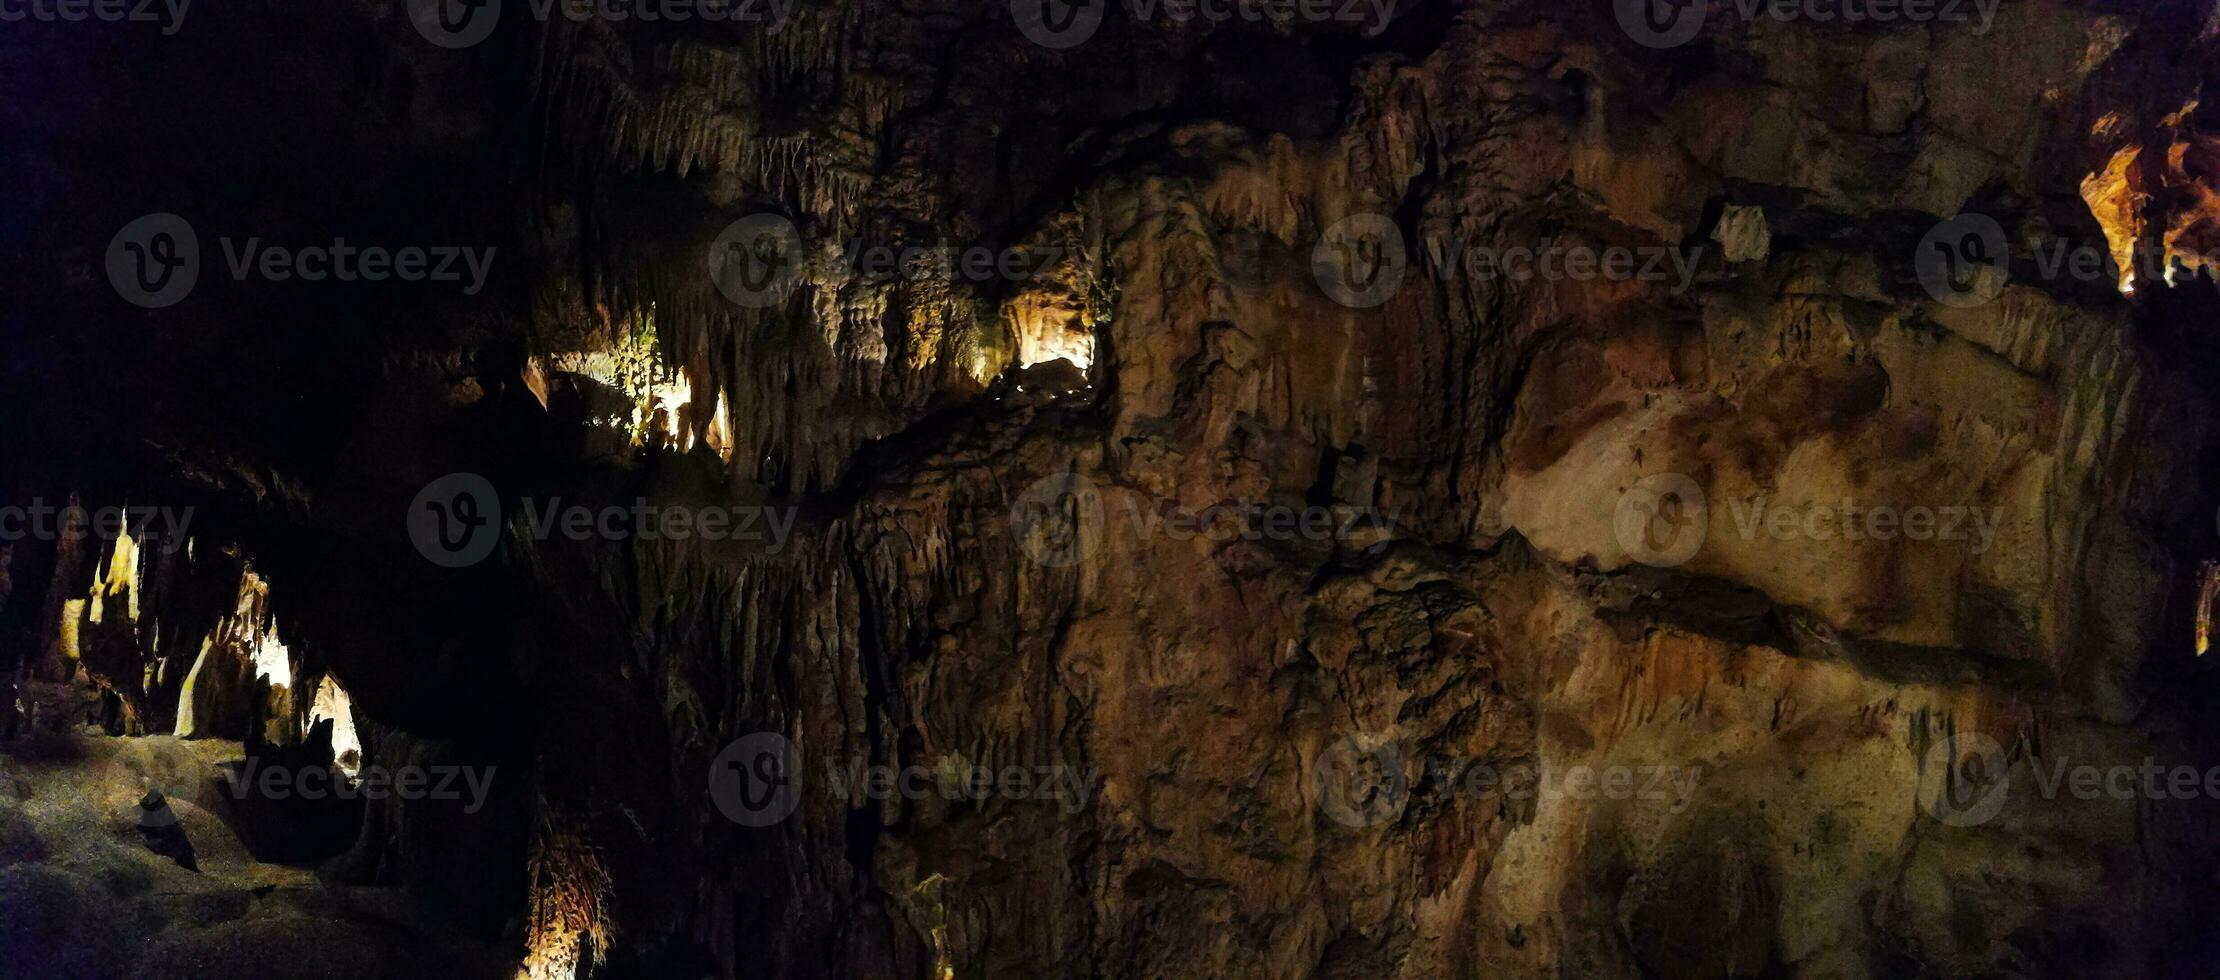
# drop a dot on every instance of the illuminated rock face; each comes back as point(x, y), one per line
point(1493, 498)
point(2155, 199)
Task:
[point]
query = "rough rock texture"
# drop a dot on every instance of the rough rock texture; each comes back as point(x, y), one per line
point(84, 897)
point(1268, 728)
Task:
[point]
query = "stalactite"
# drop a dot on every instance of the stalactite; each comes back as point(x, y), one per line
point(2208, 590)
point(568, 931)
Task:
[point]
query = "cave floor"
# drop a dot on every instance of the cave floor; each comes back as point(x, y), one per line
point(82, 896)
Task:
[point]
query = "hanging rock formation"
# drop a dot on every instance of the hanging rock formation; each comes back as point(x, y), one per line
point(1513, 610)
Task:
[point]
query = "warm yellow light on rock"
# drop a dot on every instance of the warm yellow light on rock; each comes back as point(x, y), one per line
point(1050, 325)
point(2113, 202)
point(120, 579)
point(633, 365)
point(346, 744)
point(719, 435)
point(2207, 591)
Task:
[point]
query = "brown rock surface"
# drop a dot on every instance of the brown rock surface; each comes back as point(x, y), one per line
point(1327, 634)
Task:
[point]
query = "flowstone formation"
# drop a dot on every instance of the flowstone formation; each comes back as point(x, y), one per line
point(1459, 489)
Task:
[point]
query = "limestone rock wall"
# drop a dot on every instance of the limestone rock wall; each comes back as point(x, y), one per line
point(1032, 516)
